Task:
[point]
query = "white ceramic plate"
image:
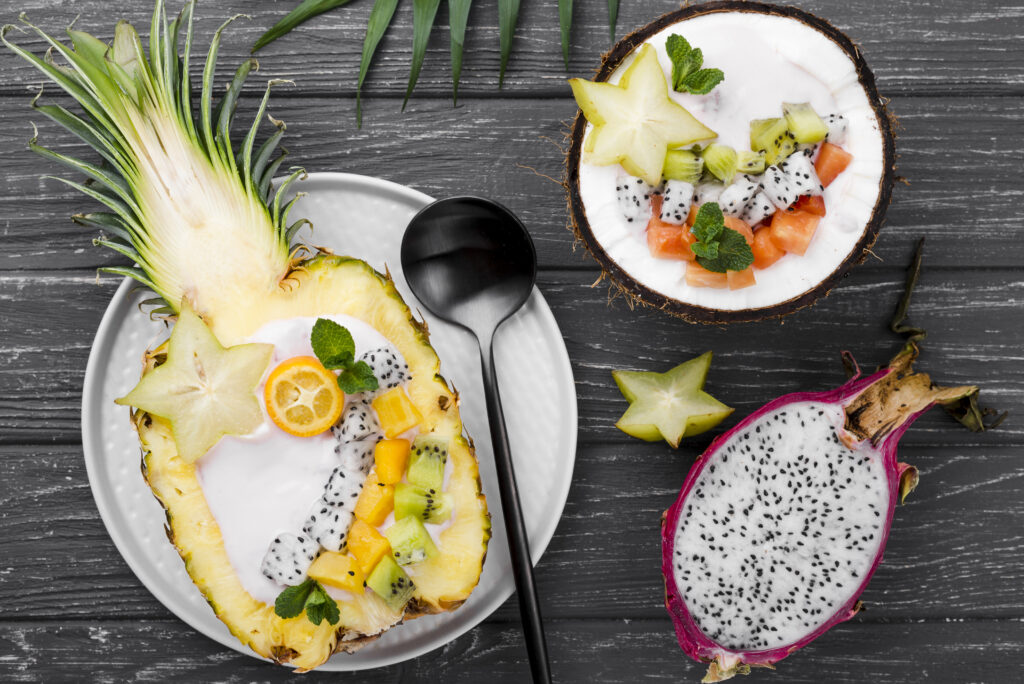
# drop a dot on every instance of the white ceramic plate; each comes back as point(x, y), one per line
point(361, 216)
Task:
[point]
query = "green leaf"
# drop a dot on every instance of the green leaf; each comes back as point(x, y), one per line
point(458, 17)
point(332, 344)
point(703, 81)
point(734, 253)
point(708, 250)
point(565, 23)
point(508, 15)
point(320, 606)
point(423, 14)
point(357, 378)
point(380, 19)
point(306, 10)
point(291, 601)
point(709, 222)
point(613, 17)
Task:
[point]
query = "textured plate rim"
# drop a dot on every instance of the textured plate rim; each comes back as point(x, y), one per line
point(445, 634)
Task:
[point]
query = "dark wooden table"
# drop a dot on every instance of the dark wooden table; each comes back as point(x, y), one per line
point(946, 605)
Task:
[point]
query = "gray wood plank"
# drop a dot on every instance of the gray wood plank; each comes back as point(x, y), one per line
point(938, 47)
point(956, 548)
point(969, 186)
point(581, 651)
point(48, 322)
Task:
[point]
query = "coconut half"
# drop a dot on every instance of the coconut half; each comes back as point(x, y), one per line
point(770, 55)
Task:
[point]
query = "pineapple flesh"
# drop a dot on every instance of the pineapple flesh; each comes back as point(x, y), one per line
point(203, 224)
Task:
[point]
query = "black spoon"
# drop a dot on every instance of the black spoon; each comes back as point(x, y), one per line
point(471, 262)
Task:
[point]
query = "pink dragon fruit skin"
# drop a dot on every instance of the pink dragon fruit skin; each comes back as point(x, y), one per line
point(901, 479)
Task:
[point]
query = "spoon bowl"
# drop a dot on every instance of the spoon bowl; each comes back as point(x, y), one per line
point(471, 262)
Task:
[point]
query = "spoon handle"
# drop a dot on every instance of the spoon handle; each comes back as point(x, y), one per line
point(522, 567)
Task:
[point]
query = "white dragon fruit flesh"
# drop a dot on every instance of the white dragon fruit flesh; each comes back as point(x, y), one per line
point(707, 192)
point(809, 150)
point(389, 370)
point(358, 422)
point(836, 128)
point(802, 175)
point(782, 521)
point(288, 558)
point(757, 210)
point(328, 524)
point(778, 187)
point(357, 457)
point(634, 196)
point(735, 198)
point(676, 198)
point(343, 487)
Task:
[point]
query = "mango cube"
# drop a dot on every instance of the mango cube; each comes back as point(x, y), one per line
point(367, 545)
point(375, 502)
point(390, 457)
point(338, 570)
point(396, 412)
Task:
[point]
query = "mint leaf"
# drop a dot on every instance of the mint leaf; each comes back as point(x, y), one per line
point(708, 223)
point(332, 344)
point(357, 378)
point(703, 81)
point(687, 74)
point(320, 606)
point(708, 250)
point(733, 253)
point(291, 601)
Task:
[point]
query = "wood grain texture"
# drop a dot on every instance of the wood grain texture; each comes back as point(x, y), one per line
point(942, 46)
point(973, 316)
point(945, 605)
point(581, 651)
point(960, 158)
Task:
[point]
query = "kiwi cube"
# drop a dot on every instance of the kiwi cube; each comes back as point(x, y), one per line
point(429, 505)
point(720, 160)
point(803, 122)
point(682, 165)
point(750, 162)
point(390, 582)
point(426, 462)
point(773, 137)
point(410, 541)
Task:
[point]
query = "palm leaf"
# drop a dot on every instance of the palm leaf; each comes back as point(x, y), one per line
point(613, 16)
point(306, 10)
point(508, 15)
point(565, 23)
point(458, 17)
point(380, 19)
point(423, 14)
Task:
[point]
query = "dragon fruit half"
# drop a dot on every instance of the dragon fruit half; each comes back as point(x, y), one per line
point(782, 521)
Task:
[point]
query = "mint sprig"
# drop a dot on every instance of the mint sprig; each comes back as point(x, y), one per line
point(688, 76)
point(333, 345)
point(718, 248)
point(311, 597)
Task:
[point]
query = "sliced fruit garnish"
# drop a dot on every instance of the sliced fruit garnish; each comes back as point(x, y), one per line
point(204, 390)
point(669, 405)
point(636, 121)
point(303, 397)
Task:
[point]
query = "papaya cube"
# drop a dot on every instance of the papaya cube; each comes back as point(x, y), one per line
point(367, 545)
point(396, 412)
point(376, 501)
point(338, 570)
point(390, 457)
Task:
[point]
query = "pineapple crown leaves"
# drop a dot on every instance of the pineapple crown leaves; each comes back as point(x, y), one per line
point(131, 97)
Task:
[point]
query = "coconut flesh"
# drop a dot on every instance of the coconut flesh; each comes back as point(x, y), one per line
point(767, 60)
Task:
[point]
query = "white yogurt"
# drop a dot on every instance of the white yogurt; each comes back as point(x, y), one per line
point(767, 60)
point(265, 483)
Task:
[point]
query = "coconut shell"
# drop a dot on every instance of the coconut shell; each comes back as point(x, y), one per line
point(638, 293)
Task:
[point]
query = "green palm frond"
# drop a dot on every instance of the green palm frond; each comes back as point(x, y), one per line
point(424, 16)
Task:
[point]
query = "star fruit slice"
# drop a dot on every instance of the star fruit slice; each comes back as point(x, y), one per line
point(636, 121)
point(669, 405)
point(204, 390)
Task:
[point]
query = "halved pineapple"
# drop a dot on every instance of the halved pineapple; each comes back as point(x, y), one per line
point(202, 222)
